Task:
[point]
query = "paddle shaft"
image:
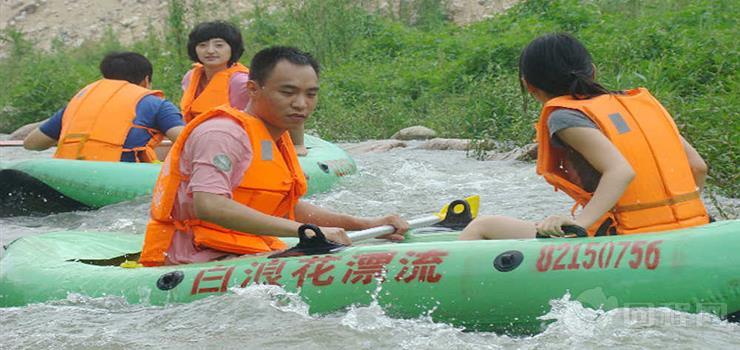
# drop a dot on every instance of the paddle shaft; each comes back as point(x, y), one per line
point(386, 229)
point(11, 143)
point(19, 143)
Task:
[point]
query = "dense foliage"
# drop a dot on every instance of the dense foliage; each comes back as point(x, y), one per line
point(383, 72)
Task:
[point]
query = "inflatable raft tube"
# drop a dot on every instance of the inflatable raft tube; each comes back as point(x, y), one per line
point(43, 186)
point(501, 286)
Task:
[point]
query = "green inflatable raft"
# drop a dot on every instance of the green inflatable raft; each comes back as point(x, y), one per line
point(501, 286)
point(42, 186)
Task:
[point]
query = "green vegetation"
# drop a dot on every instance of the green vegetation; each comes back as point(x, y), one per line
point(385, 72)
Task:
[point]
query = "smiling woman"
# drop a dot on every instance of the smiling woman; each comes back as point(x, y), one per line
point(217, 77)
point(214, 54)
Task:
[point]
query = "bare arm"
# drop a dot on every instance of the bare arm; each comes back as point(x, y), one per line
point(38, 141)
point(174, 132)
point(223, 211)
point(616, 172)
point(309, 213)
point(698, 167)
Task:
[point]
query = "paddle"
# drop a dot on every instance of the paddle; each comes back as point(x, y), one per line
point(11, 143)
point(19, 143)
point(462, 212)
point(458, 220)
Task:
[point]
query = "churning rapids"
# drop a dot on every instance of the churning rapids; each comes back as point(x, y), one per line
point(408, 181)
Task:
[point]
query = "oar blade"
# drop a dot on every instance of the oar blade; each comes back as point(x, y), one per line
point(473, 203)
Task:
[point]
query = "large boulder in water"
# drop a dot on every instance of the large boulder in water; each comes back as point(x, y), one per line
point(441, 144)
point(417, 132)
point(524, 153)
point(372, 146)
point(23, 131)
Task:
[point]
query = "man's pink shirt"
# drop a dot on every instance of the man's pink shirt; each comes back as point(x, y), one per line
point(214, 157)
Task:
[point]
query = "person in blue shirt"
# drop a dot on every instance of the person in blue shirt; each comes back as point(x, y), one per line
point(128, 77)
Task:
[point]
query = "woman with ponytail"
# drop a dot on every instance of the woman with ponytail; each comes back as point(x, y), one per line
point(617, 154)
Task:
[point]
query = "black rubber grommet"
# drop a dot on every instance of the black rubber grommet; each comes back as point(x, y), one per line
point(324, 167)
point(508, 260)
point(170, 280)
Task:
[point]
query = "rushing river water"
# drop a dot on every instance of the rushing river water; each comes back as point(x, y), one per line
point(407, 181)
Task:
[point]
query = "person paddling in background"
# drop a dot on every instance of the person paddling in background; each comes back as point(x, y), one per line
point(232, 183)
point(217, 76)
point(618, 154)
point(117, 118)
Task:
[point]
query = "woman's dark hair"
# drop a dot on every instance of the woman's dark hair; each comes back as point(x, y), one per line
point(128, 66)
point(264, 61)
point(218, 29)
point(559, 65)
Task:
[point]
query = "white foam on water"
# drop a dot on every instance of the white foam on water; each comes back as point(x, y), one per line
point(576, 326)
point(407, 181)
point(268, 317)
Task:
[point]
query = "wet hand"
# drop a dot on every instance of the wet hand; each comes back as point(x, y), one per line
point(552, 226)
point(399, 224)
point(336, 234)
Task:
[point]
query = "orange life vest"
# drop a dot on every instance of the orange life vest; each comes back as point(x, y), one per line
point(272, 184)
point(216, 93)
point(663, 194)
point(97, 121)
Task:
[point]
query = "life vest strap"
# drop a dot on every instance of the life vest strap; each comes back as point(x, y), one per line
point(82, 141)
point(148, 155)
point(186, 225)
point(151, 131)
point(181, 226)
point(670, 201)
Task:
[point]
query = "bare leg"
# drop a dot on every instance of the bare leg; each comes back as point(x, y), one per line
point(297, 136)
point(498, 227)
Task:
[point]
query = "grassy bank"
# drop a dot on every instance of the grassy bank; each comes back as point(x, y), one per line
point(385, 72)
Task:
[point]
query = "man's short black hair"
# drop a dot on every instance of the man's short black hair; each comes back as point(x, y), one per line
point(264, 61)
point(128, 66)
point(218, 29)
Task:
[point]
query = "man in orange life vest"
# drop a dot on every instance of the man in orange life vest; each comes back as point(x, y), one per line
point(231, 184)
point(117, 118)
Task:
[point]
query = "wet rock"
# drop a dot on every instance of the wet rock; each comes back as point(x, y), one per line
point(23, 131)
point(442, 144)
point(30, 8)
point(373, 146)
point(417, 132)
point(128, 22)
point(524, 153)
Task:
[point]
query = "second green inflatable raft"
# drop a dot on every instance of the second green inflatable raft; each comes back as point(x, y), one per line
point(56, 185)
